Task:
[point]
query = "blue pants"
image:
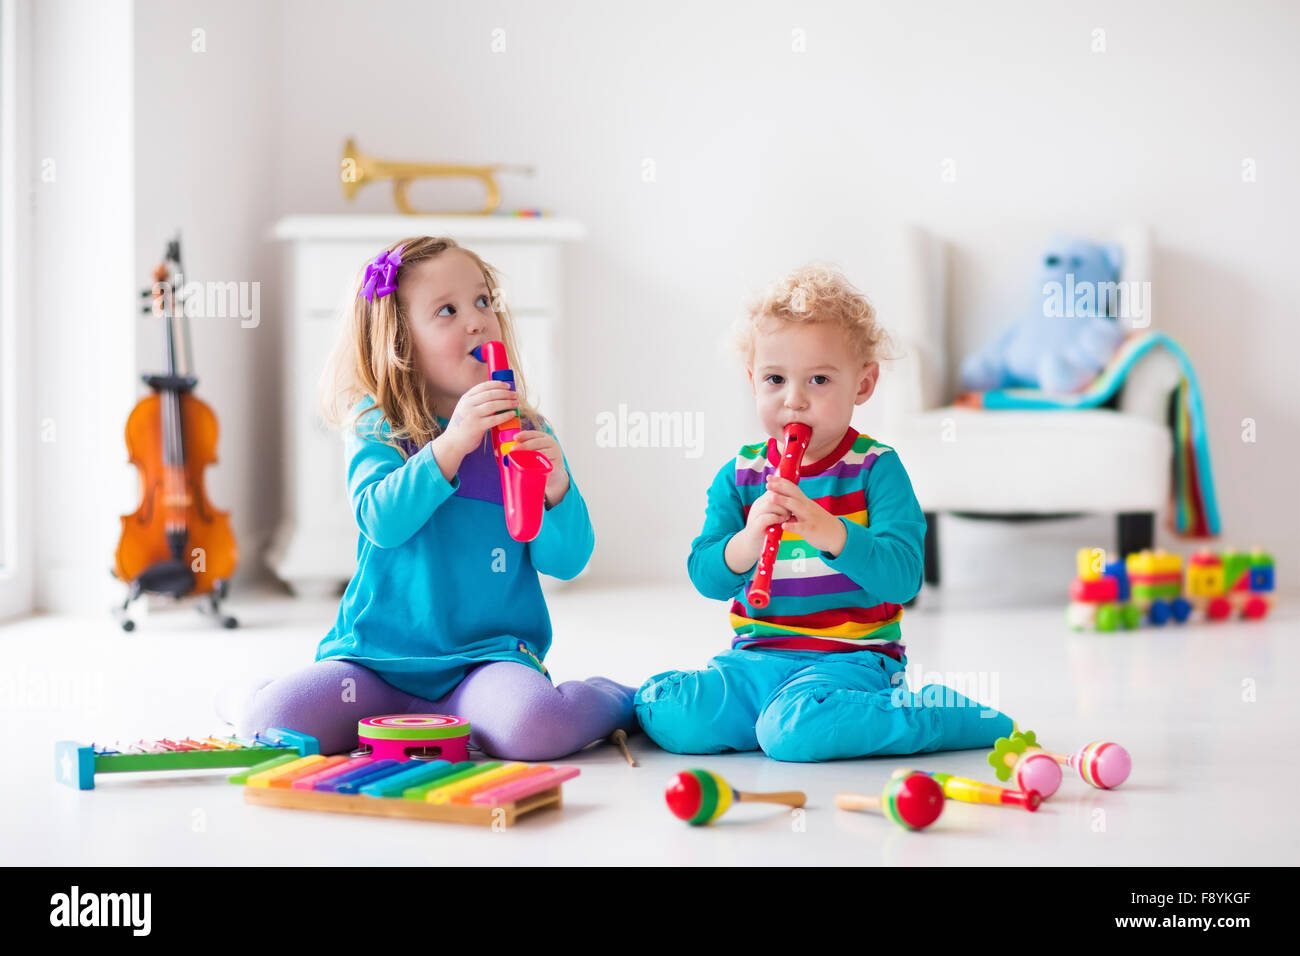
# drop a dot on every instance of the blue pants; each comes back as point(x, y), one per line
point(807, 706)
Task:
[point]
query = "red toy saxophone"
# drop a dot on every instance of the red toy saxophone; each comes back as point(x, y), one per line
point(523, 472)
point(797, 436)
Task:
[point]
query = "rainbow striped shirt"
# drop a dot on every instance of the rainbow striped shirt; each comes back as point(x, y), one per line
point(818, 602)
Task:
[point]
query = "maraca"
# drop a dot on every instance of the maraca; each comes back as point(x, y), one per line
point(976, 791)
point(701, 796)
point(1102, 764)
point(913, 801)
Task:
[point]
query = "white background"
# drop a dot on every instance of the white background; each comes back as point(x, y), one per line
point(764, 157)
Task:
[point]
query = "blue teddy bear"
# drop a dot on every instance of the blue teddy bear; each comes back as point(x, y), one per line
point(1068, 337)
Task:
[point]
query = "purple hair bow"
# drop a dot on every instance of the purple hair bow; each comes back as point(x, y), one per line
point(381, 275)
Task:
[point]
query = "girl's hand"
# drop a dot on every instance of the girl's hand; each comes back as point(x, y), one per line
point(811, 521)
point(557, 482)
point(485, 405)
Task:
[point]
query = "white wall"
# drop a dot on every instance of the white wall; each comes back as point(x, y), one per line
point(208, 102)
point(764, 157)
point(80, 293)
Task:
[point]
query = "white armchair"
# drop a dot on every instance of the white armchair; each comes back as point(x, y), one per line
point(1015, 465)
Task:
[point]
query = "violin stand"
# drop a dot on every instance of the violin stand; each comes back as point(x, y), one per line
point(166, 580)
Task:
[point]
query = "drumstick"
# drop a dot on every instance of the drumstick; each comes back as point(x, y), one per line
point(701, 796)
point(797, 436)
point(620, 740)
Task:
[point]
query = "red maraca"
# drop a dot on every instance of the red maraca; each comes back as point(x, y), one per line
point(967, 790)
point(701, 796)
point(912, 800)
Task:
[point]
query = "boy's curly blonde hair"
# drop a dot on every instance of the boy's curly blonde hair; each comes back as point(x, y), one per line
point(815, 293)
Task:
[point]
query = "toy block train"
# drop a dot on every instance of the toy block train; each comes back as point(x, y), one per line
point(1152, 587)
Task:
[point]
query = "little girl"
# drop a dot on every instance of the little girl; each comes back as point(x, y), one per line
point(445, 612)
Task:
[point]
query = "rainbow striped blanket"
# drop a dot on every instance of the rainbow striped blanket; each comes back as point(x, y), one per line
point(1195, 509)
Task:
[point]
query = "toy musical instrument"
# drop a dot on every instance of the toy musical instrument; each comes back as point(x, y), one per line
point(491, 793)
point(1102, 764)
point(76, 764)
point(523, 472)
point(360, 168)
point(175, 543)
point(701, 796)
point(912, 800)
point(966, 790)
point(414, 737)
point(619, 737)
point(797, 436)
point(1037, 771)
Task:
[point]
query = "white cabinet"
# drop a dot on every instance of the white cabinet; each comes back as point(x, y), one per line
point(314, 547)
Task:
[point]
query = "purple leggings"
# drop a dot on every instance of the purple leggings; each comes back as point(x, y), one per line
point(514, 711)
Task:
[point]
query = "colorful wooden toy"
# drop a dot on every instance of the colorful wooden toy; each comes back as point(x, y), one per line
point(440, 790)
point(701, 796)
point(1151, 587)
point(413, 737)
point(523, 472)
point(912, 800)
point(75, 764)
point(1101, 764)
point(966, 790)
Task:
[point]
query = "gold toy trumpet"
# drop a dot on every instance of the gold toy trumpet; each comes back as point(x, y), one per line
point(357, 169)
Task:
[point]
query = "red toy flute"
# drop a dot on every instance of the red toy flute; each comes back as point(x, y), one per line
point(797, 436)
point(523, 472)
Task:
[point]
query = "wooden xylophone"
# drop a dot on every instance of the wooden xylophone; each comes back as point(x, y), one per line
point(76, 764)
point(455, 792)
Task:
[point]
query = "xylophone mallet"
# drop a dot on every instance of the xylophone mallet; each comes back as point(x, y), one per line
point(701, 796)
point(619, 737)
point(913, 801)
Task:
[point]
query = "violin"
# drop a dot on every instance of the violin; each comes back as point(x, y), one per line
point(175, 543)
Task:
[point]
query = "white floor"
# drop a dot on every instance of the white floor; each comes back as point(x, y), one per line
point(1209, 714)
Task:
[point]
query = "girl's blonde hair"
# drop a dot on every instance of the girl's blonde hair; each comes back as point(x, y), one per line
point(816, 293)
point(375, 355)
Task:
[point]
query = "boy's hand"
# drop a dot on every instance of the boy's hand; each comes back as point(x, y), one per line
point(746, 545)
point(810, 521)
point(557, 482)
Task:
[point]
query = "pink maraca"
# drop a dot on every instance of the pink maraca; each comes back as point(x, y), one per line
point(1103, 764)
point(1038, 771)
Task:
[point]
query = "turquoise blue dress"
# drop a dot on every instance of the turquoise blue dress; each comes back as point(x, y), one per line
point(440, 586)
